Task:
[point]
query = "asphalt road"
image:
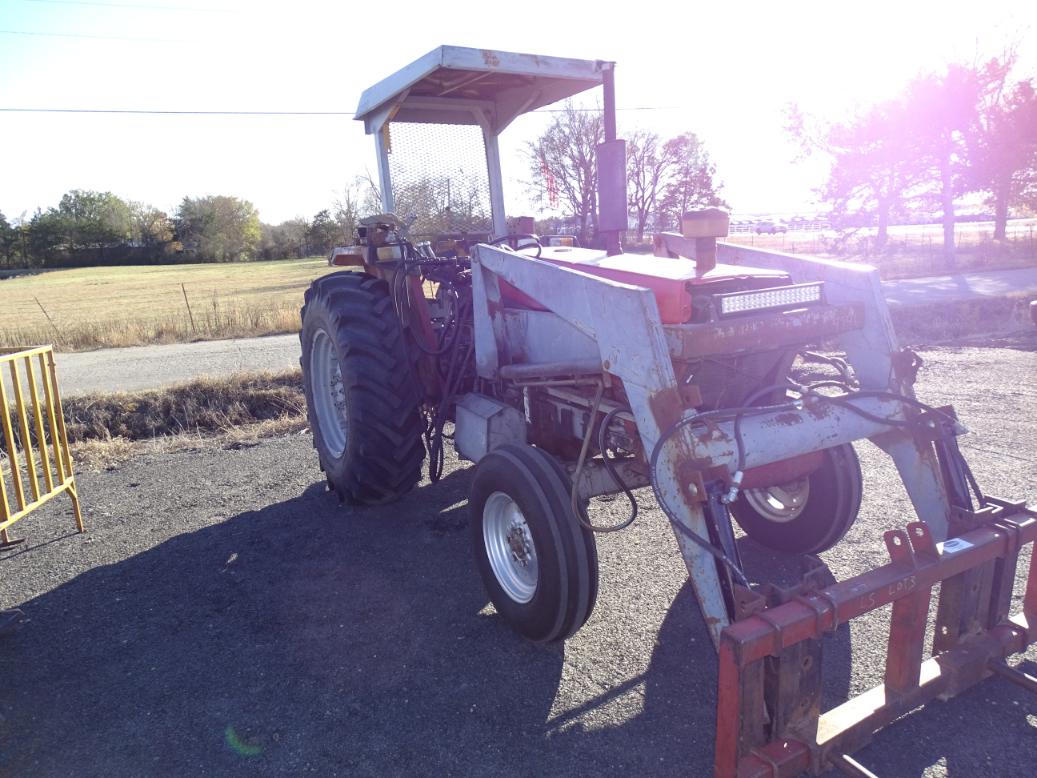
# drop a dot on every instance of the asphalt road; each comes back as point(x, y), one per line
point(961, 286)
point(224, 615)
point(149, 367)
point(145, 367)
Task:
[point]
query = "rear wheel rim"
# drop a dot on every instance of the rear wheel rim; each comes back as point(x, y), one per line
point(781, 503)
point(509, 547)
point(329, 394)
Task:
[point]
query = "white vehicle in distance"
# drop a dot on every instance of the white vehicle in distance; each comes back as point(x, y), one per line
point(770, 228)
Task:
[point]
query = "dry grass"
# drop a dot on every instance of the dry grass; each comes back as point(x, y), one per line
point(106, 430)
point(919, 324)
point(108, 454)
point(202, 407)
point(101, 307)
point(234, 412)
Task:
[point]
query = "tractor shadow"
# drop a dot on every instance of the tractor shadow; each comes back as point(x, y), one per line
point(304, 637)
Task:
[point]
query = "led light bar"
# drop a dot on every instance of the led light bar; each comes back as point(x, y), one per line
point(794, 296)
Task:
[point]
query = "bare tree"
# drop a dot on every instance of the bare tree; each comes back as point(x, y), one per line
point(689, 181)
point(563, 160)
point(360, 197)
point(647, 167)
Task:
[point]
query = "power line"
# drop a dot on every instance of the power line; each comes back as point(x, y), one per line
point(134, 6)
point(176, 113)
point(146, 112)
point(89, 37)
point(598, 110)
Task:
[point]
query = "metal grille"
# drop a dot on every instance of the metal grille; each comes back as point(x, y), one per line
point(439, 176)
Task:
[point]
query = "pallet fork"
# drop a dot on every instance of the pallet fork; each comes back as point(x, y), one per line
point(769, 721)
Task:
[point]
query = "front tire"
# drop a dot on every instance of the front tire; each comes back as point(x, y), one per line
point(809, 515)
point(538, 563)
point(361, 397)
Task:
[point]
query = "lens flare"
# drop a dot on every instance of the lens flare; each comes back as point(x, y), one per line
point(238, 746)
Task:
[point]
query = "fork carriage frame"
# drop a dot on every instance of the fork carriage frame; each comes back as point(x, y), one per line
point(780, 731)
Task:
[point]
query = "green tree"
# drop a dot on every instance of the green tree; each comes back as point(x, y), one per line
point(1003, 147)
point(8, 240)
point(219, 228)
point(94, 220)
point(149, 227)
point(871, 167)
point(942, 112)
point(322, 234)
point(45, 233)
point(287, 240)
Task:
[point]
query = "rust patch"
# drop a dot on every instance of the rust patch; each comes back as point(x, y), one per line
point(494, 307)
point(712, 434)
point(491, 59)
point(819, 410)
point(768, 331)
point(666, 409)
point(691, 395)
point(666, 406)
point(788, 419)
point(782, 471)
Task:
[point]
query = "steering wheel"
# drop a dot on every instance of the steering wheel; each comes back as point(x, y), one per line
point(516, 237)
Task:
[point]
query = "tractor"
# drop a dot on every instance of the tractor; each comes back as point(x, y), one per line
point(566, 372)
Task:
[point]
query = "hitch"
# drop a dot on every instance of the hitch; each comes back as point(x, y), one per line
point(769, 721)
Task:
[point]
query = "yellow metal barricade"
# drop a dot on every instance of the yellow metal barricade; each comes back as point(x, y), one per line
point(37, 465)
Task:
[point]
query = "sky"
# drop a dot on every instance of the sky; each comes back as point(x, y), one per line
point(725, 71)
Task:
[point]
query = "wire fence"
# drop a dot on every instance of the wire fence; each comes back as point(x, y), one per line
point(922, 240)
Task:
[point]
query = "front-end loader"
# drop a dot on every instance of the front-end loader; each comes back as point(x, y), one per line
point(566, 372)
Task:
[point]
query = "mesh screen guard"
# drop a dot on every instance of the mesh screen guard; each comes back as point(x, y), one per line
point(438, 174)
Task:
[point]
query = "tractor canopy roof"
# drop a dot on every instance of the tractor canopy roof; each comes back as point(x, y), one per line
point(445, 85)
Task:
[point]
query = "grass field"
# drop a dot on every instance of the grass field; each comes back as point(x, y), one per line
point(99, 307)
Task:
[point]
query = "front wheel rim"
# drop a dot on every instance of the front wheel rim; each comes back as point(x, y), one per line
point(781, 503)
point(329, 395)
point(509, 547)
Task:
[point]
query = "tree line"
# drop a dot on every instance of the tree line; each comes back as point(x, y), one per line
point(91, 228)
point(968, 129)
point(665, 178)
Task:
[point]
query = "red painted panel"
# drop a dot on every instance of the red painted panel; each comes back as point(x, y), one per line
point(667, 278)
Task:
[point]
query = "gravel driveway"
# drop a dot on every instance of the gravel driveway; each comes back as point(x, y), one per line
point(223, 615)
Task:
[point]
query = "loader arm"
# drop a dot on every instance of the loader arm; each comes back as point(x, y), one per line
point(622, 322)
point(617, 327)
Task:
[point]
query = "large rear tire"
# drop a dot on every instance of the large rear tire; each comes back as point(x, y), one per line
point(361, 396)
point(538, 563)
point(809, 515)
